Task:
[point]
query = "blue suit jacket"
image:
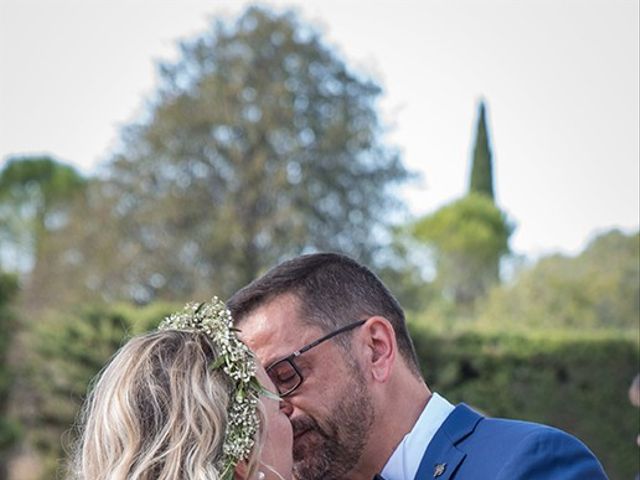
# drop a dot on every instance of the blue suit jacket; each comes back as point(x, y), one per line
point(469, 446)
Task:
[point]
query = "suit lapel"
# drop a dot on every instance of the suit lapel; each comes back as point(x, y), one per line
point(442, 458)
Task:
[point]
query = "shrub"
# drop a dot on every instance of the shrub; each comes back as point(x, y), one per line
point(576, 382)
point(8, 427)
point(70, 350)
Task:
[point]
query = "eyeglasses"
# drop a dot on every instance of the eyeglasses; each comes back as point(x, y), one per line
point(284, 373)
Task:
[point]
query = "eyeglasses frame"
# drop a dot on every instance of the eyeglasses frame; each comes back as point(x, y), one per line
point(290, 358)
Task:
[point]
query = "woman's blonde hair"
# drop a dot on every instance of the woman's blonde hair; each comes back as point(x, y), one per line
point(157, 412)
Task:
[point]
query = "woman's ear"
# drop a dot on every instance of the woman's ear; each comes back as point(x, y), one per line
point(381, 347)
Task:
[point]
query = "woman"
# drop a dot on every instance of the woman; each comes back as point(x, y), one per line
point(185, 402)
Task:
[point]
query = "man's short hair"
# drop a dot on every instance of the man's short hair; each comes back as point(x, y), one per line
point(333, 290)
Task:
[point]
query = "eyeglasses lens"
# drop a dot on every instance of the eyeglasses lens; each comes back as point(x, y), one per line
point(284, 376)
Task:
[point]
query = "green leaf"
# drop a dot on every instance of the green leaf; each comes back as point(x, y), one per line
point(269, 394)
point(217, 363)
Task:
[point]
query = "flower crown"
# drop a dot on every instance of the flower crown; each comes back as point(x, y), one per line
point(238, 363)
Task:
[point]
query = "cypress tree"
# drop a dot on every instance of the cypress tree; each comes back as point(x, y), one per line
point(482, 163)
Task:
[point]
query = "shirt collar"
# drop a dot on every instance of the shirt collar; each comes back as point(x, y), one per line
point(405, 460)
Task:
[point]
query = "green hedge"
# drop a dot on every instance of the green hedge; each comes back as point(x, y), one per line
point(8, 427)
point(574, 381)
point(67, 351)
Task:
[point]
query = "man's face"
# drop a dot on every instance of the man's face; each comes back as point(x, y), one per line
point(331, 412)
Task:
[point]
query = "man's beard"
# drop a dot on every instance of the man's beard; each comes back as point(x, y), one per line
point(331, 450)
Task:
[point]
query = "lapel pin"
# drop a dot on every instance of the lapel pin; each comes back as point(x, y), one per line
point(439, 469)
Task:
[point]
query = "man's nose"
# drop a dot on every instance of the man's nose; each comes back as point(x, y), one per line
point(286, 408)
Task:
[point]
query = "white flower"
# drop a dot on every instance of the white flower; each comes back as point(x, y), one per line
point(234, 358)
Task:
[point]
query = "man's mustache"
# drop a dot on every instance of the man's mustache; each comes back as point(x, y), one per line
point(304, 424)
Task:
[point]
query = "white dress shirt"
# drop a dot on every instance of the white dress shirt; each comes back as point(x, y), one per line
point(405, 460)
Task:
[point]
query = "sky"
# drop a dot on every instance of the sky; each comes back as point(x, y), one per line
point(560, 78)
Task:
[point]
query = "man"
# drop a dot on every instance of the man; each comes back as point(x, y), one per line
point(335, 343)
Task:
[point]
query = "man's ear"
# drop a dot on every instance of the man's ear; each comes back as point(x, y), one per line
point(381, 347)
